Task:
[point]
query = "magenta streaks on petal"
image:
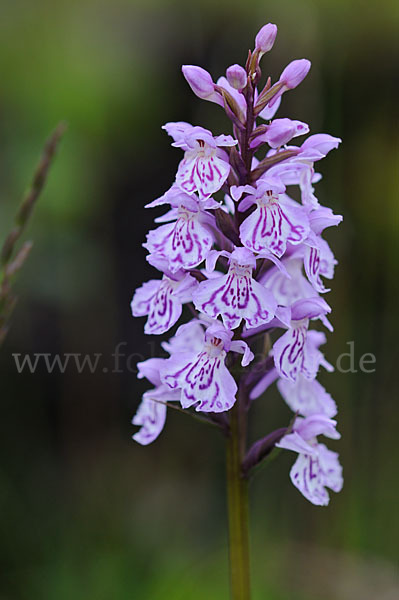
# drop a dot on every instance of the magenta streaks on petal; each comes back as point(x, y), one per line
point(312, 474)
point(202, 377)
point(184, 243)
point(237, 295)
point(318, 260)
point(289, 351)
point(150, 416)
point(204, 168)
point(273, 223)
point(162, 301)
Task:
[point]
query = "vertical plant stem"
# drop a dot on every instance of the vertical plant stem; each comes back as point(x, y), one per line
point(237, 499)
point(237, 485)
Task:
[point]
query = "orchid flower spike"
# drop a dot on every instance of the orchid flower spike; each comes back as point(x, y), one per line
point(243, 262)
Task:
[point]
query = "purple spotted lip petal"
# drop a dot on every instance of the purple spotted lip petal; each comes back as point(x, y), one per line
point(289, 351)
point(151, 417)
point(162, 301)
point(203, 377)
point(151, 413)
point(296, 351)
point(318, 261)
point(316, 467)
point(185, 243)
point(275, 222)
point(202, 169)
point(236, 295)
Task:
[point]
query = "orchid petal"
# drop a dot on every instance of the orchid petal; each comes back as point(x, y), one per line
point(242, 348)
point(316, 424)
point(203, 379)
point(307, 397)
point(162, 300)
point(151, 417)
point(272, 225)
point(288, 351)
point(293, 441)
point(308, 478)
point(236, 296)
point(185, 243)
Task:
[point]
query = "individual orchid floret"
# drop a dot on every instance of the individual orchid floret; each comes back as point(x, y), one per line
point(186, 242)
point(265, 38)
point(205, 167)
point(236, 295)
point(276, 220)
point(201, 83)
point(162, 300)
point(151, 413)
point(264, 41)
point(236, 75)
point(280, 132)
point(202, 377)
point(295, 352)
point(295, 73)
point(316, 467)
point(151, 417)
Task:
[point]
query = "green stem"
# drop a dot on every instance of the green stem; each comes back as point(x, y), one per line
point(237, 498)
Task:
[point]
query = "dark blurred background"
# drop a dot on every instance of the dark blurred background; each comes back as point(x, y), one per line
point(85, 512)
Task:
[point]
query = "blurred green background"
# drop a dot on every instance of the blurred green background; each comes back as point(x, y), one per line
point(85, 513)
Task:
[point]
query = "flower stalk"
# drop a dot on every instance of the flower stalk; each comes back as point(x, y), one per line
point(237, 503)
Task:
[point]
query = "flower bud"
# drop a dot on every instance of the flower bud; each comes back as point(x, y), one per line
point(281, 131)
point(237, 77)
point(295, 72)
point(265, 38)
point(201, 83)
